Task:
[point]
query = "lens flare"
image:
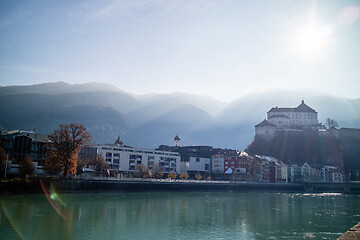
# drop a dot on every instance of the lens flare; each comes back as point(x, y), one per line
point(53, 198)
point(12, 223)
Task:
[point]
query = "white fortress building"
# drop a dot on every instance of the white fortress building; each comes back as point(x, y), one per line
point(299, 118)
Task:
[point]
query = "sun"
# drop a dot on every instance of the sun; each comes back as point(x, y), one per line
point(310, 39)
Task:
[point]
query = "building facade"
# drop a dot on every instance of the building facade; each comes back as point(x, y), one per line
point(19, 144)
point(298, 118)
point(195, 165)
point(238, 164)
point(217, 162)
point(301, 116)
point(125, 158)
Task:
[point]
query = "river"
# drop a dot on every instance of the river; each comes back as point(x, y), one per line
point(178, 215)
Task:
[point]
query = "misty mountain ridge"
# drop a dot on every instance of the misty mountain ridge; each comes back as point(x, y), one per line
point(57, 88)
point(154, 119)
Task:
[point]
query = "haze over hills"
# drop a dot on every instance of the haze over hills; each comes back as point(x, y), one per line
point(154, 119)
point(58, 88)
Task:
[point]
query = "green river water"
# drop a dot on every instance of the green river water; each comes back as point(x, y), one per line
point(178, 215)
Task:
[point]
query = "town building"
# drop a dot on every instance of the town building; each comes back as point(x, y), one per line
point(19, 144)
point(238, 164)
point(306, 171)
point(294, 173)
point(284, 172)
point(88, 154)
point(271, 169)
point(194, 165)
point(194, 159)
point(199, 159)
point(217, 162)
point(217, 159)
point(332, 174)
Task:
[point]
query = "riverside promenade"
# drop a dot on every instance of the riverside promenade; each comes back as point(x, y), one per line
point(36, 185)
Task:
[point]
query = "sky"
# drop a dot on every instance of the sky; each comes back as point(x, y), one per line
point(219, 48)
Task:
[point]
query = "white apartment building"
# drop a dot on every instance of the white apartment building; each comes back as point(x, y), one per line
point(125, 159)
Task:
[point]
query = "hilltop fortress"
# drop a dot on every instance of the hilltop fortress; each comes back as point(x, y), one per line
point(299, 118)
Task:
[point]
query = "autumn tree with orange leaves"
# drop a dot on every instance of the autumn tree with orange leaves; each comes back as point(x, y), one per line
point(66, 143)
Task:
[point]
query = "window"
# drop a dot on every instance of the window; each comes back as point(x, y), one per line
point(197, 159)
point(207, 167)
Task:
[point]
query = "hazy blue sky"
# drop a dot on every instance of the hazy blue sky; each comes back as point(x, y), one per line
point(223, 48)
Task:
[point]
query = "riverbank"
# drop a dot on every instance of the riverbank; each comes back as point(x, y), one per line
point(37, 185)
point(352, 234)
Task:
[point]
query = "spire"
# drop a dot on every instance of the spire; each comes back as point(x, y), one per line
point(177, 138)
point(119, 142)
point(177, 141)
point(302, 101)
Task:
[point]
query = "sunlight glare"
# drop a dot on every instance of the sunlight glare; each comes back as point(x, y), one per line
point(309, 40)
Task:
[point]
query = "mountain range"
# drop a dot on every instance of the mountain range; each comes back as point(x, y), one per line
point(154, 119)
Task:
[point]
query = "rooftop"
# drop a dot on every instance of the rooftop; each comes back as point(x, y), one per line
point(301, 108)
point(265, 123)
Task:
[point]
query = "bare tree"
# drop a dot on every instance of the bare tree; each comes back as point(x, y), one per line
point(142, 170)
point(100, 163)
point(26, 167)
point(157, 171)
point(67, 142)
point(331, 123)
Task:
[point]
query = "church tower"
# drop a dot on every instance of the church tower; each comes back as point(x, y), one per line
point(119, 142)
point(177, 141)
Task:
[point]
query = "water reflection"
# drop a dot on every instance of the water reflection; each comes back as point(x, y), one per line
point(179, 216)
